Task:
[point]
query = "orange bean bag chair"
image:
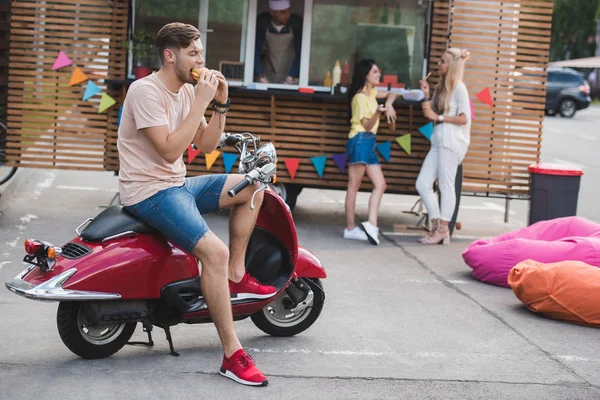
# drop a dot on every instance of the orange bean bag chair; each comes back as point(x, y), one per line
point(566, 290)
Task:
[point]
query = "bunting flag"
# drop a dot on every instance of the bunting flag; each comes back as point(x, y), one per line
point(192, 154)
point(427, 130)
point(90, 90)
point(229, 159)
point(61, 61)
point(404, 142)
point(340, 160)
point(120, 113)
point(472, 110)
point(385, 149)
point(486, 97)
point(292, 166)
point(106, 102)
point(211, 158)
point(319, 164)
point(77, 77)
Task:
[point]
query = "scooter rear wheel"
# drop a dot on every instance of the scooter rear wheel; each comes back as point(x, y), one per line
point(86, 341)
point(275, 318)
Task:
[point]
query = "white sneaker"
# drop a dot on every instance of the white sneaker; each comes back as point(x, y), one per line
point(355, 233)
point(372, 232)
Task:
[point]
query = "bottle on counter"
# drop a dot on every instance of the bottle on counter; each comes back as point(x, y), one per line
point(327, 81)
point(337, 74)
point(345, 78)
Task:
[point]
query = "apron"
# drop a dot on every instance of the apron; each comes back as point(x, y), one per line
point(279, 56)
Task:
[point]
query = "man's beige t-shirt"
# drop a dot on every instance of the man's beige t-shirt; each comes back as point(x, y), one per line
point(142, 171)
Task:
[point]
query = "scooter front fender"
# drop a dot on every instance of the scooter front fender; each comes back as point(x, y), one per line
point(308, 265)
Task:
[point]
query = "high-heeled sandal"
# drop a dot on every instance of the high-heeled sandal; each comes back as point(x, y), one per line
point(435, 222)
point(440, 235)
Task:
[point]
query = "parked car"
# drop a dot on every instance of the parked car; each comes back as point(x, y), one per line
point(566, 92)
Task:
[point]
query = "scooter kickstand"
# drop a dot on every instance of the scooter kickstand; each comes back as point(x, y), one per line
point(148, 329)
point(168, 334)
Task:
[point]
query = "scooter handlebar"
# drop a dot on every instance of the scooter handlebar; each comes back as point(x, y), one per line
point(240, 186)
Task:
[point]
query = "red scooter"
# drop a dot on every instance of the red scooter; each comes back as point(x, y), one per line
point(118, 271)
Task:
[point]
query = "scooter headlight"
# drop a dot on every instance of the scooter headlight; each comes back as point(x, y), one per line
point(266, 154)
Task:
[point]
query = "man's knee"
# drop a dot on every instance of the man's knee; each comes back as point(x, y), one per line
point(212, 253)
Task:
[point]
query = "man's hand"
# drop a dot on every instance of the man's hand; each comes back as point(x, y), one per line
point(222, 93)
point(207, 86)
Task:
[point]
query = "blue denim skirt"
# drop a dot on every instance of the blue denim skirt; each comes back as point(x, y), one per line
point(361, 149)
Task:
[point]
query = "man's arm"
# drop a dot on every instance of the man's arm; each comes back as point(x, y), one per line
point(208, 135)
point(296, 26)
point(171, 146)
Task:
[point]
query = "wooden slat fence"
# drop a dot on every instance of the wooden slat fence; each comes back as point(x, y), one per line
point(4, 40)
point(49, 125)
point(509, 43)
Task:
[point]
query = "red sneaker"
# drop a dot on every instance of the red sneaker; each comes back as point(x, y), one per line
point(249, 288)
point(241, 368)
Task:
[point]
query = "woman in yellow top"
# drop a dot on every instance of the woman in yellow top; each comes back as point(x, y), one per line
point(364, 118)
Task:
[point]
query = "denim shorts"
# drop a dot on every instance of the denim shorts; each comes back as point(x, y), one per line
point(361, 149)
point(177, 211)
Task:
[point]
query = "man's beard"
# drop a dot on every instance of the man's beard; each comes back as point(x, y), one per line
point(184, 74)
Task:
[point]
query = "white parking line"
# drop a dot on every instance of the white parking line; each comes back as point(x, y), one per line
point(85, 188)
point(462, 237)
point(325, 352)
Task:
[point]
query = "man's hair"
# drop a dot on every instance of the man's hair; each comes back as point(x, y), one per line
point(175, 36)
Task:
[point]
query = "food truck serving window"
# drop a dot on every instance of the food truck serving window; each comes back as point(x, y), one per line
point(323, 32)
point(390, 32)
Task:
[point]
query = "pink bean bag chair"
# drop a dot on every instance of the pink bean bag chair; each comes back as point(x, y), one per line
point(560, 239)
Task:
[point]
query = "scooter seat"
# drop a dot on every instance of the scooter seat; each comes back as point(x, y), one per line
point(113, 221)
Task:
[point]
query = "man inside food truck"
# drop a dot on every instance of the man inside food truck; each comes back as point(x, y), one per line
point(278, 44)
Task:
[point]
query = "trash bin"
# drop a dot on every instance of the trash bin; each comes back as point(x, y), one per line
point(554, 190)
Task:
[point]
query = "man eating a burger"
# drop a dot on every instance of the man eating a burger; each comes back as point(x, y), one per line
point(162, 114)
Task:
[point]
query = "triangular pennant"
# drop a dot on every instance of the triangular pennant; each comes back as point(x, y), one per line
point(427, 130)
point(340, 160)
point(77, 77)
point(472, 110)
point(106, 102)
point(385, 150)
point(404, 142)
point(61, 61)
point(90, 90)
point(192, 154)
point(319, 163)
point(486, 96)
point(211, 158)
point(292, 166)
point(229, 159)
point(120, 113)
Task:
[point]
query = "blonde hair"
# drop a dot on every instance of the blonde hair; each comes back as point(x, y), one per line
point(454, 75)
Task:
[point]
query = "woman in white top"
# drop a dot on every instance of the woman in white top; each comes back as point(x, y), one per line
point(451, 112)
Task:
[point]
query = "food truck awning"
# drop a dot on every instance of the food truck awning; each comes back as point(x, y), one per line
point(588, 62)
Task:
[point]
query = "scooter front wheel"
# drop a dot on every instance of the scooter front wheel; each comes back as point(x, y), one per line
point(276, 319)
point(90, 342)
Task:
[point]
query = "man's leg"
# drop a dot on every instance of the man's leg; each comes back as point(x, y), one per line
point(214, 256)
point(241, 223)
